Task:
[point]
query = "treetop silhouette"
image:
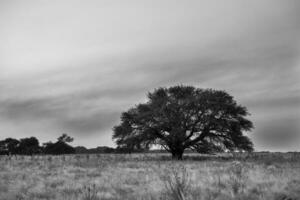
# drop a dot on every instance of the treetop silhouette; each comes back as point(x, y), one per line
point(184, 117)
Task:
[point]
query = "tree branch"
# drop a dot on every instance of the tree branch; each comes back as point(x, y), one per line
point(205, 132)
point(194, 126)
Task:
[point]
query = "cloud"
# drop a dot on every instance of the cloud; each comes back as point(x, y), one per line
point(281, 134)
point(78, 70)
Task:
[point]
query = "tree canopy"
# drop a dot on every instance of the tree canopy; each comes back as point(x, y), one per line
point(26, 146)
point(185, 117)
point(30, 146)
point(65, 138)
point(60, 147)
point(9, 145)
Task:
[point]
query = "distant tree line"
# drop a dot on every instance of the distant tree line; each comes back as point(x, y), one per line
point(31, 146)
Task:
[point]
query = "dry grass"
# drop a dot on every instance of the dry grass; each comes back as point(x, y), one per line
point(148, 176)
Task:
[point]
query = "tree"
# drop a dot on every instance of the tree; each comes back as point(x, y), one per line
point(65, 138)
point(29, 146)
point(9, 146)
point(59, 147)
point(184, 117)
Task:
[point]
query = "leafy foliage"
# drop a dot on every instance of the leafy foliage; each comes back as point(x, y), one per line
point(9, 145)
point(65, 138)
point(59, 147)
point(185, 117)
point(29, 146)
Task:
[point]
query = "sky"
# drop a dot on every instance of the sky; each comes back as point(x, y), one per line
point(73, 66)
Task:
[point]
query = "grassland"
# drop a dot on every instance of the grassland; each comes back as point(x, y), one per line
point(267, 176)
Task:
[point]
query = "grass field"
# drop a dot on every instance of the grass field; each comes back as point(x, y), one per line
point(151, 176)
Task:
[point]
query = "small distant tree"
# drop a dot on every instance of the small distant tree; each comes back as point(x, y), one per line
point(29, 146)
point(185, 117)
point(65, 138)
point(9, 146)
point(59, 147)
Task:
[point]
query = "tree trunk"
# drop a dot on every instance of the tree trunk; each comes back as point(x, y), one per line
point(177, 154)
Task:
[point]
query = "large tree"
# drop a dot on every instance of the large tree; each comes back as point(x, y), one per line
point(185, 117)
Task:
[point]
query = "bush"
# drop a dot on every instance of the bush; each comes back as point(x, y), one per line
point(58, 148)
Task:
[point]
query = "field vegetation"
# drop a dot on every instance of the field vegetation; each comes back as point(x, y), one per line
point(274, 176)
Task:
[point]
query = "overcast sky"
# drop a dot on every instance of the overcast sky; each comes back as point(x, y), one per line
point(69, 66)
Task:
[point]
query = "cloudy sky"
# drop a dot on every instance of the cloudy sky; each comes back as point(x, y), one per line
point(72, 66)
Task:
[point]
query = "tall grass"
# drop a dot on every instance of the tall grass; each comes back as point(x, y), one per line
point(261, 176)
point(177, 183)
point(90, 192)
